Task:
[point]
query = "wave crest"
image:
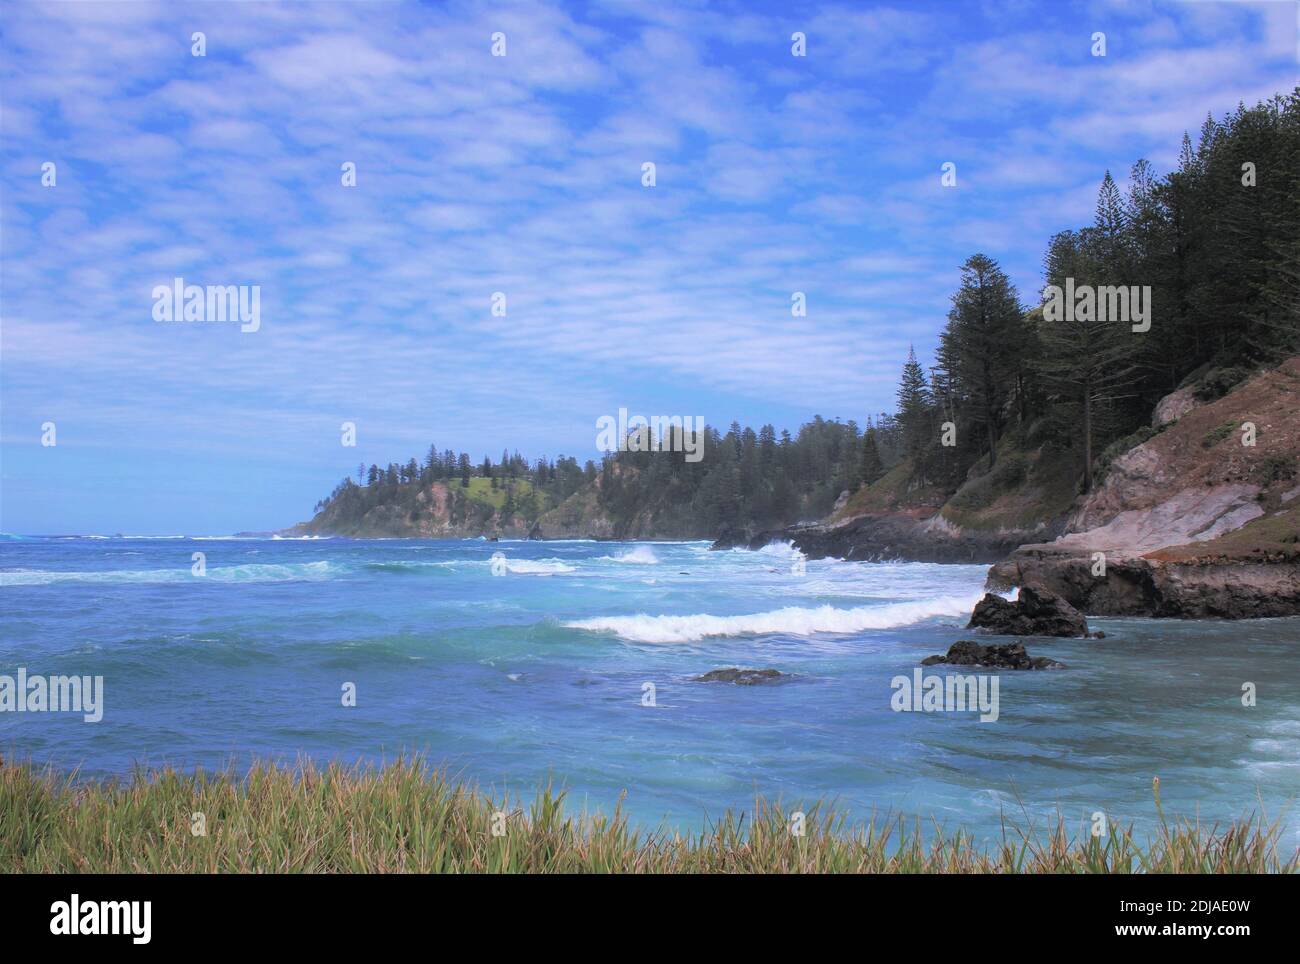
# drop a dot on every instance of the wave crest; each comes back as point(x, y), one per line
point(790, 621)
point(638, 556)
point(249, 572)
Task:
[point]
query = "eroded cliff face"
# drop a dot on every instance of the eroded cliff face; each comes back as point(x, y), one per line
point(1192, 523)
point(438, 510)
point(580, 516)
point(447, 510)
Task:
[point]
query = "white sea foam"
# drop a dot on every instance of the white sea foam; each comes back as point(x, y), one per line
point(537, 567)
point(251, 572)
point(790, 621)
point(638, 556)
point(774, 549)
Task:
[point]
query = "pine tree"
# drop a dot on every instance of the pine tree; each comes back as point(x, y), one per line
point(914, 407)
point(978, 348)
point(1087, 363)
point(872, 468)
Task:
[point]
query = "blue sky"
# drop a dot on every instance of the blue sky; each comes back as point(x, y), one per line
point(522, 174)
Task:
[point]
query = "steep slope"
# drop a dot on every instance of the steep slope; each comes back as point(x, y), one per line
point(438, 510)
point(1025, 497)
point(1192, 522)
point(584, 515)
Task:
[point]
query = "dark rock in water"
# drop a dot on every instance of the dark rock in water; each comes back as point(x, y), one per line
point(741, 677)
point(967, 652)
point(1036, 613)
point(729, 537)
point(883, 537)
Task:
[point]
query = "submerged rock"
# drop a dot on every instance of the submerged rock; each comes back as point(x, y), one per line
point(741, 677)
point(1037, 612)
point(967, 652)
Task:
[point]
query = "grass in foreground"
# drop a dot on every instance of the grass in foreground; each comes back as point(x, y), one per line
point(406, 817)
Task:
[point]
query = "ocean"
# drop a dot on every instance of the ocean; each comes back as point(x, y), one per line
point(573, 662)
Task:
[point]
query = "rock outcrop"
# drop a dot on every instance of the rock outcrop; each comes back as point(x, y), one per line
point(1200, 521)
point(883, 538)
point(1037, 612)
point(741, 677)
point(967, 652)
point(1190, 582)
point(1174, 406)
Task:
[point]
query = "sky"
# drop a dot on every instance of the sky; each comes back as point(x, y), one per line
point(523, 174)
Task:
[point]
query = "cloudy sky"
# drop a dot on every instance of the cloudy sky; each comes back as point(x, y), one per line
point(522, 174)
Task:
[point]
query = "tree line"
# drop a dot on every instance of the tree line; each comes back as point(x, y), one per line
point(550, 481)
point(1216, 243)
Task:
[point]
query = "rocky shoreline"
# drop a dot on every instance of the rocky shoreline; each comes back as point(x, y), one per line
point(1181, 585)
point(893, 537)
point(1185, 582)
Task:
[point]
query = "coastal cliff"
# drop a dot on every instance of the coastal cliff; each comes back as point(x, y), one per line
point(1201, 520)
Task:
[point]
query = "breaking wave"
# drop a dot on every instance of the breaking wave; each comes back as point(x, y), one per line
point(252, 572)
point(639, 556)
point(790, 621)
point(540, 567)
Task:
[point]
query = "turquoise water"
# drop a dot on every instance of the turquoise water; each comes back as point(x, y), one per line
point(541, 672)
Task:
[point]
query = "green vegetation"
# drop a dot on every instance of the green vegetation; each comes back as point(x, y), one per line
point(1210, 384)
point(406, 818)
point(513, 491)
point(747, 479)
point(1218, 251)
point(1217, 435)
point(1216, 246)
point(483, 491)
point(1279, 468)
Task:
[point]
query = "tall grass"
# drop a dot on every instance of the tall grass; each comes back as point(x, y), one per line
point(408, 818)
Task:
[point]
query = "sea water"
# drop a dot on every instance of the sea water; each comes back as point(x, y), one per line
point(574, 663)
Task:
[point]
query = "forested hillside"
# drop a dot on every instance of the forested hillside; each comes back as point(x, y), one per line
point(1021, 412)
point(746, 478)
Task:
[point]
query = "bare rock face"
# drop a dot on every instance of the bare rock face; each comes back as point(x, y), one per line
point(1195, 479)
point(1193, 523)
point(967, 652)
point(1187, 515)
point(1174, 406)
point(1038, 612)
point(1185, 583)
